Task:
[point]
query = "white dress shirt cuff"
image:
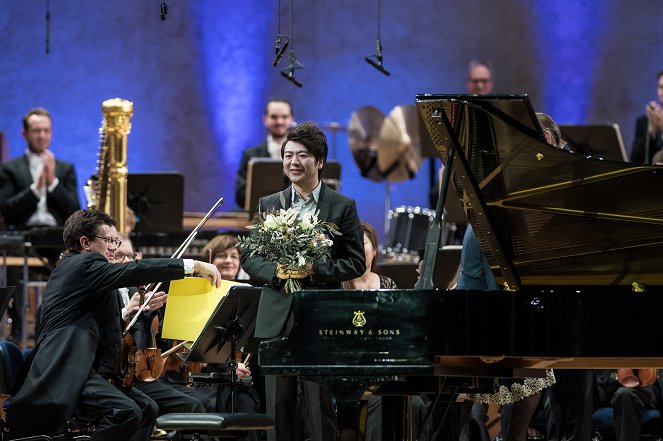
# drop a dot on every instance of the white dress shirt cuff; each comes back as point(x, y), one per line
point(188, 266)
point(54, 184)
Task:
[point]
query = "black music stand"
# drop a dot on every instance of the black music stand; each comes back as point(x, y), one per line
point(233, 322)
point(157, 199)
point(599, 140)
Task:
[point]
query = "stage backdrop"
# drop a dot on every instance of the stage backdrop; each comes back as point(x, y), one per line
point(199, 79)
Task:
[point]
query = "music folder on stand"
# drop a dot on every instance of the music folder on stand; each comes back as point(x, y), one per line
point(228, 328)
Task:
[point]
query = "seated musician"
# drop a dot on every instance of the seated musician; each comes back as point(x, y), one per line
point(521, 399)
point(568, 403)
point(167, 398)
point(629, 403)
point(372, 279)
point(223, 252)
point(79, 337)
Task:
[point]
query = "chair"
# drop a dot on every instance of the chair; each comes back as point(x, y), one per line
point(207, 425)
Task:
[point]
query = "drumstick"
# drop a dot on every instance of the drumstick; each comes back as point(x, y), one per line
point(246, 360)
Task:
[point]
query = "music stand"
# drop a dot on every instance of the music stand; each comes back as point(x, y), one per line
point(157, 199)
point(265, 176)
point(233, 321)
point(599, 140)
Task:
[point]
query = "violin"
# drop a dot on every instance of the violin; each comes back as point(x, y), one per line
point(177, 370)
point(637, 377)
point(149, 363)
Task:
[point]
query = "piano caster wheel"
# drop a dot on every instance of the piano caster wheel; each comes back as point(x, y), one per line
point(537, 304)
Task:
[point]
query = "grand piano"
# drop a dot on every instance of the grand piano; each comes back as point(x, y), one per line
point(576, 242)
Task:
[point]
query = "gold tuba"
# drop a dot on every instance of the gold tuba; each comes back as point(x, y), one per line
point(107, 190)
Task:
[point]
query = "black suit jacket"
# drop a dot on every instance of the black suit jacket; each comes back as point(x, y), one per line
point(641, 135)
point(347, 258)
point(79, 333)
point(259, 151)
point(18, 202)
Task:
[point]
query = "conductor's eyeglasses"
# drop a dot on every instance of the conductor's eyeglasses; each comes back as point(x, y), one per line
point(115, 242)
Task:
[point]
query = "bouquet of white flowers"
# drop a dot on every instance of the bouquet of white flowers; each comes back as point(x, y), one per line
point(294, 242)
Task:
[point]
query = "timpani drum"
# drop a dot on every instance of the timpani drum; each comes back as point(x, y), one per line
point(407, 230)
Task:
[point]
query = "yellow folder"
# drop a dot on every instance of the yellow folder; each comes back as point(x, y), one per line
point(191, 302)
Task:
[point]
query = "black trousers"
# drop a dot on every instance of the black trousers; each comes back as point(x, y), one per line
point(119, 415)
point(629, 405)
point(168, 399)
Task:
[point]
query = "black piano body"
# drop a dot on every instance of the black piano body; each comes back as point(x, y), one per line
point(575, 240)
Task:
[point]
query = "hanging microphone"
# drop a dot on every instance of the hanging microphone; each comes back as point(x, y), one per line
point(164, 10)
point(280, 50)
point(290, 77)
point(289, 72)
point(376, 59)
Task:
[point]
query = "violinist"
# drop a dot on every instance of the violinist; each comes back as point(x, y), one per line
point(223, 252)
point(167, 398)
point(80, 336)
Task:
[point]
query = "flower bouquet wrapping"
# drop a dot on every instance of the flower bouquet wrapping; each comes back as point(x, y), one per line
point(295, 243)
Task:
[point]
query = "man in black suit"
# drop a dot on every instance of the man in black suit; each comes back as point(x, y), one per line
point(79, 337)
point(36, 189)
point(277, 119)
point(649, 128)
point(304, 154)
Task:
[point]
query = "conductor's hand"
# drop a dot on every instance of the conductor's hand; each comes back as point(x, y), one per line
point(208, 270)
point(283, 274)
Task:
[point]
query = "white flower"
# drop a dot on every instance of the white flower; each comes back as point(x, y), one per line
point(308, 221)
point(301, 261)
point(270, 222)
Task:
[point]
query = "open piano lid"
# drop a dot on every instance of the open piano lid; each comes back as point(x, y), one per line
point(545, 216)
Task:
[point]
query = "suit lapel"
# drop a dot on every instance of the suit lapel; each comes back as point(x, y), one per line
point(285, 197)
point(324, 204)
point(24, 171)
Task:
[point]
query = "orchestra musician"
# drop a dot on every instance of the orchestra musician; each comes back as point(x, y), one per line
point(649, 128)
point(79, 337)
point(222, 251)
point(167, 398)
point(304, 153)
point(277, 119)
point(35, 190)
point(568, 403)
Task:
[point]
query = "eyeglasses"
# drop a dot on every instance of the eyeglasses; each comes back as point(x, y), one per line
point(115, 242)
point(480, 80)
point(121, 256)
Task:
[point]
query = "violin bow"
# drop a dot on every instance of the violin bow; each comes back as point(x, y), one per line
point(176, 255)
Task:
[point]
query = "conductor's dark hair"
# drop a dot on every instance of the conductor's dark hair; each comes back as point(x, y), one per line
point(83, 223)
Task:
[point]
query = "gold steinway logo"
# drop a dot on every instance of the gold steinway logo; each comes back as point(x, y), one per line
point(359, 320)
